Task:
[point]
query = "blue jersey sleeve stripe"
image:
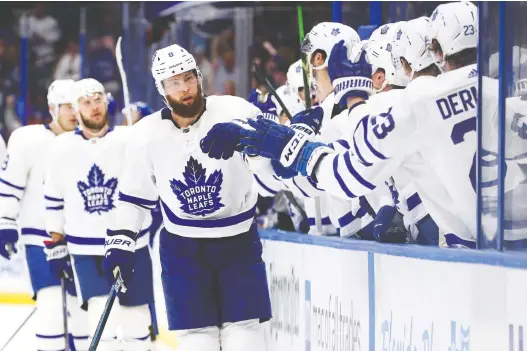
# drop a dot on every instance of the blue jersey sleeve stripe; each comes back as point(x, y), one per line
point(137, 201)
point(324, 220)
point(313, 184)
point(299, 188)
point(413, 201)
point(265, 187)
point(359, 155)
point(49, 198)
point(9, 195)
point(11, 185)
point(344, 143)
point(370, 146)
point(355, 174)
point(34, 231)
point(339, 178)
point(55, 208)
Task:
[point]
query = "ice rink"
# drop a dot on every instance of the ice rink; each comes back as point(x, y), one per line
point(13, 316)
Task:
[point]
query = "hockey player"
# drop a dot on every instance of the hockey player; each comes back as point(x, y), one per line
point(388, 79)
point(213, 275)
point(435, 116)
point(81, 191)
point(22, 209)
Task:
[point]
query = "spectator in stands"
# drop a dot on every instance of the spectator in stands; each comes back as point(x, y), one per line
point(229, 88)
point(225, 69)
point(69, 65)
point(43, 33)
point(102, 65)
point(204, 66)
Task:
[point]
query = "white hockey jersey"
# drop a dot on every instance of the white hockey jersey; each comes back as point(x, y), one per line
point(22, 179)
point(200, 197)
point(81, 187)
point(437, 117)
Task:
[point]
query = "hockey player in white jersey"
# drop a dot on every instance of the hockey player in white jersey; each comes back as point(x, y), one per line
point(435, 116)
point(213, 276)
point(388, 77)
point(81, 184)
point(22, 210)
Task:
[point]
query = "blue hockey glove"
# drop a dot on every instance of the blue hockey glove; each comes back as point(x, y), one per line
point(119, 255)
point(311, 118)
point(222, 140)
point(8, 237)
point(283, 172)
point(349, 79)
point(267, 106)
point(382, 221)
point(388, 226)
point(289, 146)
point(58, 257)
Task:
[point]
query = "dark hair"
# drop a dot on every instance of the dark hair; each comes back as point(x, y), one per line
point(463, 58)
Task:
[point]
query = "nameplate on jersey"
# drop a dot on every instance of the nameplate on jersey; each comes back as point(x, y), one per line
point(97, 192)
point(198, 194)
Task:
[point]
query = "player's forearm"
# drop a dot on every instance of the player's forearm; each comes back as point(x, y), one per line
point(128, 217)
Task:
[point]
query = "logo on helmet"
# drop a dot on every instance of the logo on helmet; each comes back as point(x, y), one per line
point(434, 15)
point(399, 34)
point(389, 47)
point(384, 29)
point(335, 31)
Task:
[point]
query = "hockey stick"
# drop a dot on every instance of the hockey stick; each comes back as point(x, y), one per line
point(307, 95)
point(19, 328)
point(65, 313)
point(122, 73)
point(116, 287)
point(262, 79)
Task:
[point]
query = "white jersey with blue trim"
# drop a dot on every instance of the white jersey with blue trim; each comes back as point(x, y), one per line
point(22, 179)
point(81, 187)
point(435, 116)
point(200, 197)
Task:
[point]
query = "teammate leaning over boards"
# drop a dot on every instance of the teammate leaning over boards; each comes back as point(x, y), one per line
point(381, 140)
point(81, 191)
point(388, 81)
point(355, 217)
point(22, 208)
point(213, 275)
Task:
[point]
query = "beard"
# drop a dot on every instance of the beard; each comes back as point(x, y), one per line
point(187, 111)
point(94, 126)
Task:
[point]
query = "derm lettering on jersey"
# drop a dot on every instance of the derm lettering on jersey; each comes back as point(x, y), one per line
point(458, 102)
point(97, 194)
point(198, 194)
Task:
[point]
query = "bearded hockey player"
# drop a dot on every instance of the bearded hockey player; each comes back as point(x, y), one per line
point(22, 208)
point(82, 178)
point(213, 275)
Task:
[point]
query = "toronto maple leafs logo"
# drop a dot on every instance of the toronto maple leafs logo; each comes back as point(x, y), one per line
point(97, 194)
point(384, 29)
point(198, 194)
point(335, 31)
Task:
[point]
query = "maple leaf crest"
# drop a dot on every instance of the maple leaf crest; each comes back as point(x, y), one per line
point(97, 194)
point(198, 194)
